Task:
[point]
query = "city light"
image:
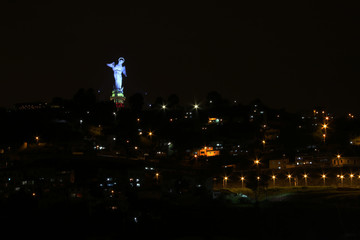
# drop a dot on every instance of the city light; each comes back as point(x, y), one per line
point(341, 179)
point(323, 176)
point(242, 182)
point(351, 177)
point(273, 178)
point(289, 177)
point(225, 181)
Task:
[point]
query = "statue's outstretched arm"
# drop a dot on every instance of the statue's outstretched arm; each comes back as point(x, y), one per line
point(110, 65)
point(124, 71)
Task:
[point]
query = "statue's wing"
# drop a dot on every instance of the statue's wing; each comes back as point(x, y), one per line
point(124, 71)
point(110, 65)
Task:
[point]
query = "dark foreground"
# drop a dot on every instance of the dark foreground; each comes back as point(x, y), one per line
point(304, 215)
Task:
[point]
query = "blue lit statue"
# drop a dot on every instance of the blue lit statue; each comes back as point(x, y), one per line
point(118, 69)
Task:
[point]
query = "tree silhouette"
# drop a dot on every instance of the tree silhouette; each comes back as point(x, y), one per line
point(136, 102)
point(173, 101)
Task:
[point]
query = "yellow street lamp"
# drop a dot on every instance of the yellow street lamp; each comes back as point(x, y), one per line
point(305, 177)
point(225, 182)
point(323, 176)
point(351, 177)
point(289, 177)
point(263, 143)
point(242, 182)
point(273, 178)
point(338, 159)
point(157, 177)
point(342, 180)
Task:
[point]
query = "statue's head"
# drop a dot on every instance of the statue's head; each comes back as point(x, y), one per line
point(121, 60)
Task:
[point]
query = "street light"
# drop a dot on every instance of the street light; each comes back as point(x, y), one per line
point(273, 178)
point(323, 176)
point(242, 182)
point(289, 177)
point(225, 182)
point(263, 142)
point(351, 177)
point(305, 177)
point(157, 177)
point(341, 179)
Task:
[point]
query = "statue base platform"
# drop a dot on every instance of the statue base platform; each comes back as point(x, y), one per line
point(118, 97)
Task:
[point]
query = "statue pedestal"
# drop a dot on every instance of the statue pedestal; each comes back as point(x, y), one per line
point(118, 97)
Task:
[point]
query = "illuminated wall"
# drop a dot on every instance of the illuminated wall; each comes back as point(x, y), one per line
point(208, 152)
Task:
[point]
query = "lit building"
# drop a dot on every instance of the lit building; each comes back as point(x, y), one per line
point(208, 152)
point(214, 120)
point(345, 161)
point(278, 163)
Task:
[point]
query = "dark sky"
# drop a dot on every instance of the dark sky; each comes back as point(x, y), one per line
point(290, 55)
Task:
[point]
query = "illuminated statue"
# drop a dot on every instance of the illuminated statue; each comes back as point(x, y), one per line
point(118, 69)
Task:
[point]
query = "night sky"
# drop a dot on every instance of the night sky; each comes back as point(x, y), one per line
point(290, 55)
